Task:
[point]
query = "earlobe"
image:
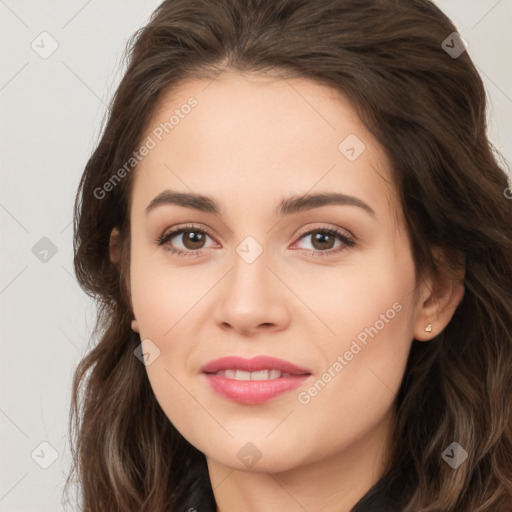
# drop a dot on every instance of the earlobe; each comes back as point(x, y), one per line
point(441, 298)
point(114, 246)
point(426, 325)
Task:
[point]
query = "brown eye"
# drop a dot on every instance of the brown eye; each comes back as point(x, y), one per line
point(184, 240)
point(321, 240)
point(193, 239)
point(326, 241)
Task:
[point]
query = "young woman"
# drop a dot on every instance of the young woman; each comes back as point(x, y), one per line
point(300, 241)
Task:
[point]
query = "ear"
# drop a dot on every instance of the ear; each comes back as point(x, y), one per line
point(114, 250)
point(440, 295)
point(115, 258)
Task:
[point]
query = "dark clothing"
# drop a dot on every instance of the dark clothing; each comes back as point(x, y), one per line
point(378, 501)
point(386, 495)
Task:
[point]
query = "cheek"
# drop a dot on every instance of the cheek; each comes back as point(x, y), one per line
point(165, 295)
point(368, 297)
point(354, 392)
point(372, 315)
point(359, 385)
point(163, 300)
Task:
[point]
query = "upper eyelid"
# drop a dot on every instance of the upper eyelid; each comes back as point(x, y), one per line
point(342, 231)
point(179, 229)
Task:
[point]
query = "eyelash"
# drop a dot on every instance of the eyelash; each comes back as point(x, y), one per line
point(168, 235)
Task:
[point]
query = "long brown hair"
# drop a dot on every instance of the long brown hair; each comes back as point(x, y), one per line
point(427, 109)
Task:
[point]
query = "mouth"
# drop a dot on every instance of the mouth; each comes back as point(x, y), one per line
point(254, 365)
point(253, 381)
point(257, 375)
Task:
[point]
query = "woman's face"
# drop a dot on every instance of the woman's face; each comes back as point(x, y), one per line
point(257, 281)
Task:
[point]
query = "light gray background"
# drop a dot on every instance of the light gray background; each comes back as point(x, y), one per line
point(51, 115)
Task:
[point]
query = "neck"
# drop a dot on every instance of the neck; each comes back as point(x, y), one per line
point(333, 484)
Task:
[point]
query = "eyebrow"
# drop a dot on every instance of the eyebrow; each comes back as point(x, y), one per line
point(287, 206)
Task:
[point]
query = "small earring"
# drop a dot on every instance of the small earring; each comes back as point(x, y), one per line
point(135, 327)
point(428, 328)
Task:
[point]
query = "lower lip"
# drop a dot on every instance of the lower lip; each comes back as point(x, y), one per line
point(253, 391)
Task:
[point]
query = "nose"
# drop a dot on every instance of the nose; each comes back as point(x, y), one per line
point(252, 298)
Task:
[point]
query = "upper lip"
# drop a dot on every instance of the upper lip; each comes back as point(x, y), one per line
point(253, 365)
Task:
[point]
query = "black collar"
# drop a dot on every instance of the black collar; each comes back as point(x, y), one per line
point(388, 493)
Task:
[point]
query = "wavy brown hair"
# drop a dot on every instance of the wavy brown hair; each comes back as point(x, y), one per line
point(428, 111)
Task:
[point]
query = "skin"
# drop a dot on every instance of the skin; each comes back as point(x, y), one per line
point(250, 142)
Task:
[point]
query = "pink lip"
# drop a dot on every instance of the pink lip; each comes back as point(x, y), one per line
point(253, 365)
point(253, 391)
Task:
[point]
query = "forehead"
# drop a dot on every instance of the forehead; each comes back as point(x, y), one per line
point(249, 136)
